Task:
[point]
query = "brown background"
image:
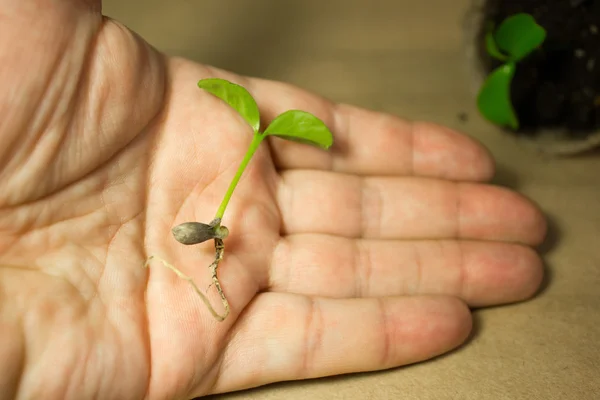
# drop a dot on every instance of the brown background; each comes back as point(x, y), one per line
point(407, 58)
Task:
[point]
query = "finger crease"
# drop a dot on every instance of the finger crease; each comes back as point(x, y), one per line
point(356, 269)
point(412, 135)
point(378, 213)
point(385, 343)
point(371, 209)
point(419, 270)
point(462, 272)
point(366, 268)
point(458, 228)
point(279, 267)
point(363, 212)
point(313, 337)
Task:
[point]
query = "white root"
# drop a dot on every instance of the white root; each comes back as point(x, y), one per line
point(220, 249)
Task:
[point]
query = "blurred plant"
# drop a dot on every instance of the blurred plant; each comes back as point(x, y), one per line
point(516, 37)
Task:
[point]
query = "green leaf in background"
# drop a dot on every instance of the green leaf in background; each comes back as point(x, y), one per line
point(519, 35)
point(493, 100)
point(300, 126)
point(236, 96)
point(492, 47)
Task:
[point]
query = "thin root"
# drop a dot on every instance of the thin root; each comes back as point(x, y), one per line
point(213, 268)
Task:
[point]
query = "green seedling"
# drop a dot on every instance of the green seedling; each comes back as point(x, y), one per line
point(516, 37)
point(295, 125)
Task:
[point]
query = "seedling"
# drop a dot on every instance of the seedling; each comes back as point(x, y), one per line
point(295, 125)
point(516, 37)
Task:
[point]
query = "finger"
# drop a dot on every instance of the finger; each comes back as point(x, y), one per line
point(480, 273)
point(367, 142)
point(404, 208)
point(372, 143)
point(287, 337)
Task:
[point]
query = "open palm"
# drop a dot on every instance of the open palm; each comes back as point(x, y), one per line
point(361, 258)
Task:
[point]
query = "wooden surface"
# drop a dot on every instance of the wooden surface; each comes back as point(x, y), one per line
point(407, 58)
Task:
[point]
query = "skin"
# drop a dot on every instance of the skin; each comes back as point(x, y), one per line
point(366, 257)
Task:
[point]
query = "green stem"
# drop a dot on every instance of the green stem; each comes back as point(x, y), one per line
point(251, 150)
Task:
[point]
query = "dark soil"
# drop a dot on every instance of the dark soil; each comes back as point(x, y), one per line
point(557, 86)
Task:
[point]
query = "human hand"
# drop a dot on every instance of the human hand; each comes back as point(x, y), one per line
point(362, 258)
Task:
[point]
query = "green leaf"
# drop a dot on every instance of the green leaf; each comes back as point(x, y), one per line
point(493, 100)
point(300, 126)
point(236, 96)
point(519, 35)
point(492, 47)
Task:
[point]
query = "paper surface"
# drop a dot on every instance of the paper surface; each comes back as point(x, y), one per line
point(407, 58)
